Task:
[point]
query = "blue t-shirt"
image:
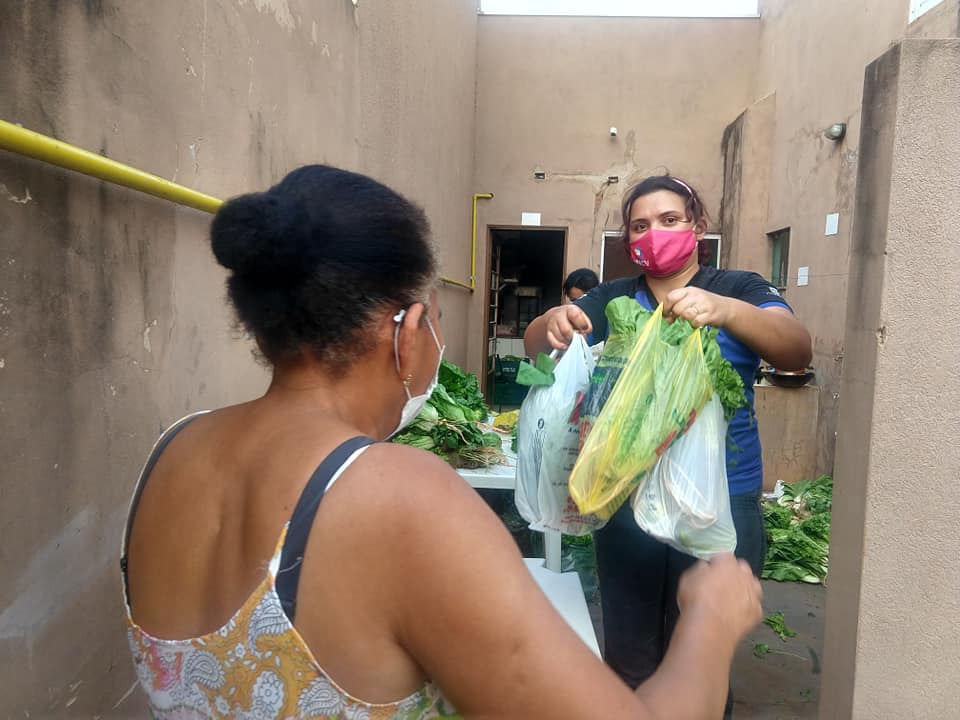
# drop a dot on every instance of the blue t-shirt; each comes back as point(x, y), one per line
point(744, 458)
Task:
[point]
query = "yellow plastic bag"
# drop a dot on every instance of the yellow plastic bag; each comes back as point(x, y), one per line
point(656, 398)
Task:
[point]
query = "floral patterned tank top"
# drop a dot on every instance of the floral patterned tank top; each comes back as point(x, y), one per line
point(257, 665)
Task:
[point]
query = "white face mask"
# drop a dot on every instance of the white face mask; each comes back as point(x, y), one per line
point(414, 403)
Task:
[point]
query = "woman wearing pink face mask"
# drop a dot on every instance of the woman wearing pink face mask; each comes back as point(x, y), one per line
point(664, 223)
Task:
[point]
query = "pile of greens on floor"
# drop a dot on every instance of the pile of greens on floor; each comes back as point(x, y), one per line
point(798, 531)
point(449, 424)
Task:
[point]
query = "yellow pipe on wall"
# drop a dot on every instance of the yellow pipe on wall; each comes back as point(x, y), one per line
point(16, 139)
point(473, 248)
point(40, 147)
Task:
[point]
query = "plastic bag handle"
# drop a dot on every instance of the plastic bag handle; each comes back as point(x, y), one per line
point(584, 348)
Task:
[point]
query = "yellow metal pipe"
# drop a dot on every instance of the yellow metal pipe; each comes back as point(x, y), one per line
point(473, 248)
point(16, 139)
point(450, 281)
point(40, 147)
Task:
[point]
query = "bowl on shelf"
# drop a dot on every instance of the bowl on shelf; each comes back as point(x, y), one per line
point(788, 378)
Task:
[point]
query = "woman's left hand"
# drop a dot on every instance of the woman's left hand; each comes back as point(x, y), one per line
point(698, 306)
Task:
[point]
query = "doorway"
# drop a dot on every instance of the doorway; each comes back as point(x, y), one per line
point(525, 280)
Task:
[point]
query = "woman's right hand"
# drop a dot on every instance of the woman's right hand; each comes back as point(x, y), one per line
point(725, 588)
point(563, 322)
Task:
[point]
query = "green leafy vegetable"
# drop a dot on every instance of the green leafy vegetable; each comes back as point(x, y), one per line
point(491, 439)
point(779, 625)
point(448, 425)
point(798, 532)
point(646, 391)
point(464, 389)
point(762, 649)
point(541, 373)
point(628, 317)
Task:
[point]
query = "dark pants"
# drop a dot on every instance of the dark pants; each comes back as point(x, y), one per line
point(638, 586)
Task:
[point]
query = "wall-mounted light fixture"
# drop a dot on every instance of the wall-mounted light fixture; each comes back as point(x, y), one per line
point(613, 132)
point(612, 179)
point(836, 132)
point(539, 175)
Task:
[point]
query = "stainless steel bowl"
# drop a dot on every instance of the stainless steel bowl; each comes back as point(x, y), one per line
point(788, 378)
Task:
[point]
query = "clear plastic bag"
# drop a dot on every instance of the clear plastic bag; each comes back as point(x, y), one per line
point(684, 500)
point(548, 439)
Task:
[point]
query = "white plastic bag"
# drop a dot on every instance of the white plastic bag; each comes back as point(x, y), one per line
point(548, 440)
point(684, 500)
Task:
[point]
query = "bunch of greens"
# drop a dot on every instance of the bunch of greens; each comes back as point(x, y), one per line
point(798, 531)
point(726, 381)
point(652, 380)
point(447, 426)
point(463, 388)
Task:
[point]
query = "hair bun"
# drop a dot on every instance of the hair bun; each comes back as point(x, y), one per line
point(263, 237)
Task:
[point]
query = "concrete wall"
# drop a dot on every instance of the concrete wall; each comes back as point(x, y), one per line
point(549, 89)
point(942, 21)
point(812, 56)
point(892, 641)
point(112, 320)
point(787, 419)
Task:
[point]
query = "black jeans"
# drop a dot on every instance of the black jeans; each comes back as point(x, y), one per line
point(638, 586)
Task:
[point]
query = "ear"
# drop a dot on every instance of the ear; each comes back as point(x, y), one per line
point(700, 228)
point(408, 337)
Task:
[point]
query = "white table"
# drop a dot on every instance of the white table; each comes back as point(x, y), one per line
point(563, 589)
point(504, 477)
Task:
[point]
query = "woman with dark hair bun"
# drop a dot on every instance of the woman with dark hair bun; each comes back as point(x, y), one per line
point(400, 595)
point(664, 223)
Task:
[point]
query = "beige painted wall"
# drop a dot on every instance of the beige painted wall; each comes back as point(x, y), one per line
point(812, 58)
point(112, 321)
point(892, 641)
point(549, 89)
point(810, 75)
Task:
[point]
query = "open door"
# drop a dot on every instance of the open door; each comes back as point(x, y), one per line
point(526, 279)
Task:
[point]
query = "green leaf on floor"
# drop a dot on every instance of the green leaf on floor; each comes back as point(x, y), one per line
point(779, 625)
point(761, 649)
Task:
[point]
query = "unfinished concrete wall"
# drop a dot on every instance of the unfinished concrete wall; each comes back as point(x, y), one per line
point(940, 22)
point(549, 89)
point(892, 641)
point(112, 320)
point(748, 160)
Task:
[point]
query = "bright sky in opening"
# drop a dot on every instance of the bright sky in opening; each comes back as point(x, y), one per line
point(620, 8)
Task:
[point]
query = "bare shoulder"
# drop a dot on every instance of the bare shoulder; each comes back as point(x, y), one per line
point(399, 476)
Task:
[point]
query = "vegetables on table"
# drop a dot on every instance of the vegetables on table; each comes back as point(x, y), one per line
point(463, 388)
point(448, 425)
point(506, 421)
point(798, 532)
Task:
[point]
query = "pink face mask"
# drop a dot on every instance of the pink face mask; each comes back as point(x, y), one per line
point(663, 252)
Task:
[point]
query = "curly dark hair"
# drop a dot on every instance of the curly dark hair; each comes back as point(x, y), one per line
point(313, 258)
